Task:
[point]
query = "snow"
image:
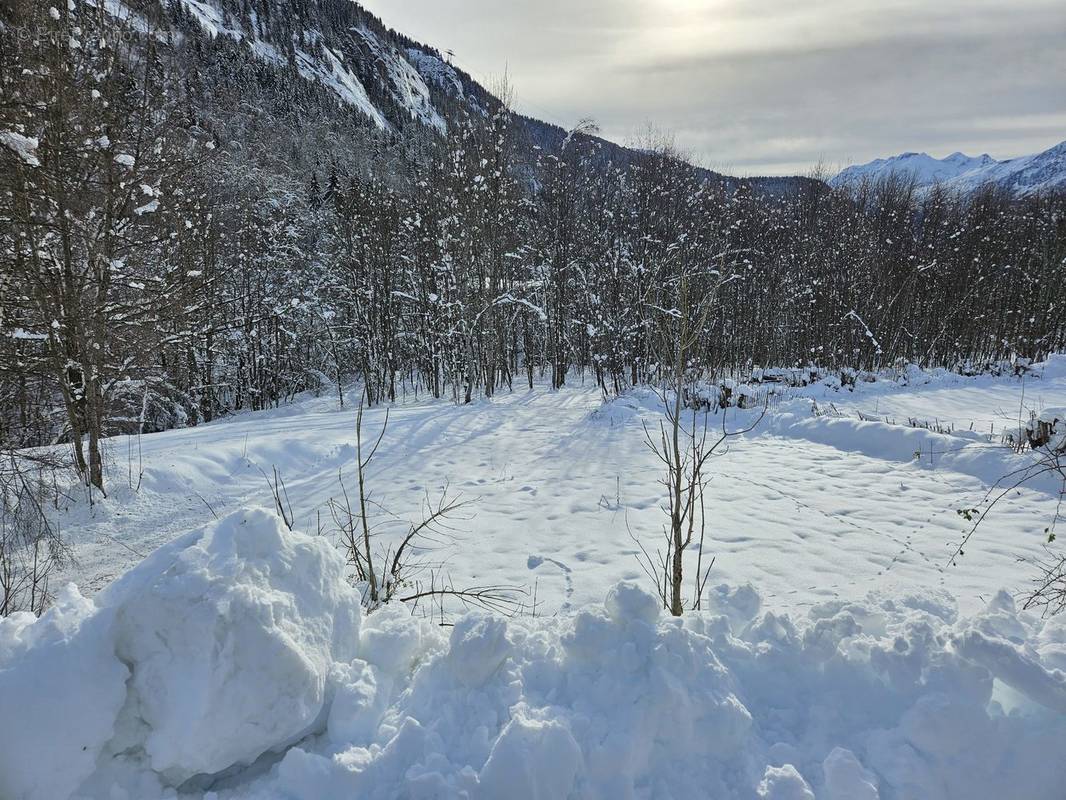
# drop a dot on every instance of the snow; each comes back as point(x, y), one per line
point(235, 659)
point(276, 613)
point(334, 75)
point(804, 508)
point(211, 19)
point(846, 779)
point(215, 650)
point(921, 167)
point(405, 83)
point(784, 783)
point(837, 655)
point(435, 71)
point(989, 404)
point(405, 79)
point(121, 12)
point(266, 52)
point(1023, 176)
point(60, 678)
point(24, 147)
point(22, 333)
point(531, 760)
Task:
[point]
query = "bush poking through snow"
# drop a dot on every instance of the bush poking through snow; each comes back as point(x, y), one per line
point(31, 547)
point(684, 449)
point(401, 573)
point(1045, 436)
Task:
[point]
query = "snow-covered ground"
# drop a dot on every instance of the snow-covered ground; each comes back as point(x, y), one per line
point(805, 508)
point(840, 656)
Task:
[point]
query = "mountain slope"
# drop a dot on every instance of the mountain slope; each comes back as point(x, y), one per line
point(388, 80)
point(1022, 176)
point(335, 44)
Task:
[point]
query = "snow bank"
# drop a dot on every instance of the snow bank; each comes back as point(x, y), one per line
point(231, 636)
point(235, 660)
point(964, 452)
point(61, 689)
point(213, 651)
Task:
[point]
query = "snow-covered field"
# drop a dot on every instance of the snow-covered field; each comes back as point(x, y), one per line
point(841, 656)
point(806, 509)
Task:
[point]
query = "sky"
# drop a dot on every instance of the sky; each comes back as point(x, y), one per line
point(771, 86)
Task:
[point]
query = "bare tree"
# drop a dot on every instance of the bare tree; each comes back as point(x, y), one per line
point(86, 207)
point(684, 450)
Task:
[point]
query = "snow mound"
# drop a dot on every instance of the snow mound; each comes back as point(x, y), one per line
point(228, 637)
point(234, 663)
point(232, 639)
point(61, 682)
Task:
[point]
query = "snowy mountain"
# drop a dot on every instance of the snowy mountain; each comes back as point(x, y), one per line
point(337, 45)
point(922, 167)
point(377, 75)
point(1023, 176)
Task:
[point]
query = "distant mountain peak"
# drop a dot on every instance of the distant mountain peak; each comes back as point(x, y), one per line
point(1022, 176)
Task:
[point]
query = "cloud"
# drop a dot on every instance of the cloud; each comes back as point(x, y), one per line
point(773, 86)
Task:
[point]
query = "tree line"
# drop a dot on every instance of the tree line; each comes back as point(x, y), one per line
point(188, 231)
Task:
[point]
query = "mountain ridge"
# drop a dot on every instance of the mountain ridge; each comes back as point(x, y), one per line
point(1022, 176)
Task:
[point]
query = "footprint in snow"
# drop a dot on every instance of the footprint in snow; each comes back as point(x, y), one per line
point(533, 562)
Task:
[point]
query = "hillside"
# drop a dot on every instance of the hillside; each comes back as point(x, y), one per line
point(388, 80)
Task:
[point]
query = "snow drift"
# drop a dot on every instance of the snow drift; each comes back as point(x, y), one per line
point(213, 651)
point(235, 662)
